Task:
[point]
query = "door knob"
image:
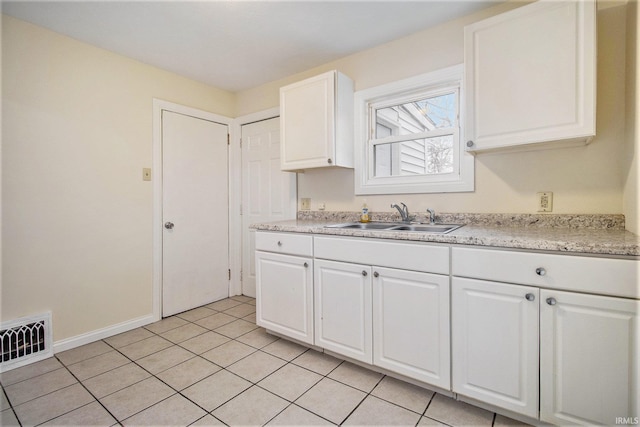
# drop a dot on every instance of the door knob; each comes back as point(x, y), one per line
point(168, 225)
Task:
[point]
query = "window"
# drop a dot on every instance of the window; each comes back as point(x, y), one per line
point(408, 137)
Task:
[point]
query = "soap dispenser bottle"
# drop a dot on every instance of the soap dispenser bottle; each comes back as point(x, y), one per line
point(364, 216)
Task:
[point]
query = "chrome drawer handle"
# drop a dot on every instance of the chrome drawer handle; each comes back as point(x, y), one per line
point(530, 297)
point(375, 274)
point(364, 273)
point(541, 271)
point(279, 243)
point(551, 301)
point(306, 264)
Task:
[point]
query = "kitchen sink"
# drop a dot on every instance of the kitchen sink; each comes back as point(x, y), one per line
point(366, 225)
point(428, 228)
point(395, 226)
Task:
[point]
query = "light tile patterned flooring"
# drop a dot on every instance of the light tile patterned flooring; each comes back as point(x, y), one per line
point(214, 366)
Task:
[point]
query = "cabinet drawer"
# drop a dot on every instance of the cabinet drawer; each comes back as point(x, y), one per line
point(618, 277)
point(384, 253)
point(285, 243)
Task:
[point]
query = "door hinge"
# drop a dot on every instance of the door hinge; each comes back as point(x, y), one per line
point(240, 208)
point(240, 275)
point(228, 139)
point(240, 142)
point(229, 274)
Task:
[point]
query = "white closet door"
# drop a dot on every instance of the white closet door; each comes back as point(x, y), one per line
point(195, 242)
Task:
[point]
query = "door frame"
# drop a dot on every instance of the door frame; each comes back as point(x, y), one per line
point(159, 106)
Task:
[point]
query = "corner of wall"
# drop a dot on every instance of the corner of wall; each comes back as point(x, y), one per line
point(631, 195)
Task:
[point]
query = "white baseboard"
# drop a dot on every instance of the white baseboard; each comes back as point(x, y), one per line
point(89, 337)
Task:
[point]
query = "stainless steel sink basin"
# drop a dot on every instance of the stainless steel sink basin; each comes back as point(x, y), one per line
point(394, 226)
point(428, 228)
point(366, 225)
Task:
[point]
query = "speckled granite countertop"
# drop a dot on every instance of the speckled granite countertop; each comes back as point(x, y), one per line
point(581, 234)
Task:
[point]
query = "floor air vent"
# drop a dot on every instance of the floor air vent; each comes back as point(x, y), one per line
point(25, 341)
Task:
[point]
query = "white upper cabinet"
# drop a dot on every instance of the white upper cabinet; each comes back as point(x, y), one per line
point(530, 76)
point(316, 123)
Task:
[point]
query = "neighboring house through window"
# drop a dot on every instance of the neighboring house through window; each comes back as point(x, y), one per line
point(408, 136)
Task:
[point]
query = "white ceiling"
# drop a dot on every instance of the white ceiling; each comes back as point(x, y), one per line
point(236, 45)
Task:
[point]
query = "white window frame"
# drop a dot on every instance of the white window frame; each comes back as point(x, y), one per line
point(460, 180)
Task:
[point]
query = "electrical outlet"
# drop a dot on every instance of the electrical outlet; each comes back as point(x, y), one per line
point(305, 204)
point(146, 174)
point(545, 201)
point(321, 206)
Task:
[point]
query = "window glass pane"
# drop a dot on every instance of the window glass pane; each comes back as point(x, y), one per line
point(417, 116)
point(428, 156)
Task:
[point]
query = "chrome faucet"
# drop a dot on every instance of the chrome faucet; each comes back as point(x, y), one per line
point(404, 212)
point(432, 216)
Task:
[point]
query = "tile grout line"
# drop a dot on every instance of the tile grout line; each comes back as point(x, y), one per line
point(2, 389)
point(255, 349)
point(85, 388)
point(291, 402)
point(290, 362)
point(152, 375)
point(364, 398)
point(195, 355)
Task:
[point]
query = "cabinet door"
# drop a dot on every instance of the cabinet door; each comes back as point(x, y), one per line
point(495, 343)
point(343, 308)
point(589, 365)
point(284, 295)
point(530, 75)
point(307, 123)
point(411, 324)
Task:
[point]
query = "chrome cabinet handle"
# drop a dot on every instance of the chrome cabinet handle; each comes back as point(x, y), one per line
point(306, 264)
point(279, 243)
point(551, 301)
point(329, 161)
point(469, 144)
point(375, 274)
point(364, 273)
point(168, 225)
point(530, 297)
point(541, 271)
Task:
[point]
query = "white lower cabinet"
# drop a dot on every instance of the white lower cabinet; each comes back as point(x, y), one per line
point(411, 324)
point(495, 343)
point(496, 330)
point(589, 361)
point(284, 294)
point(582, 349)
point(342, 303)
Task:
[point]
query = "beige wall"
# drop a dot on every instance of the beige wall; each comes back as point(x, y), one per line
point(632, 134)
point(584, 180)
point(77, 217)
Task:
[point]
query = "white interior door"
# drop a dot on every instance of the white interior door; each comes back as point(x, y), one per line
point(195, 243)
point(268, 194)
